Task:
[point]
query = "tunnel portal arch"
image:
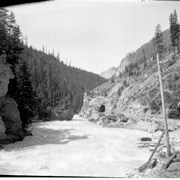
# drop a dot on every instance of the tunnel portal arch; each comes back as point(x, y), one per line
point(102, 108)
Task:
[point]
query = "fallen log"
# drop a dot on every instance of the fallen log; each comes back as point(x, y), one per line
point(144, 166)
point(143, 145)
point(169, 161)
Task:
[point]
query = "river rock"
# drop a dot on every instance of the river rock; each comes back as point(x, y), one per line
point(11, 117)
point(113, 118)
point(125, 120)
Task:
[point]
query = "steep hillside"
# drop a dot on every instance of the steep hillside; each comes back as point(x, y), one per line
point(146, 51)
point(54, 81)
point(135, 92)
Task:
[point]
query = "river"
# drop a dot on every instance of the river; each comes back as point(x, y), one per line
point(74, 148)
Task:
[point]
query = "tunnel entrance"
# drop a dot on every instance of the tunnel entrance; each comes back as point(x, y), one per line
point(102, 108)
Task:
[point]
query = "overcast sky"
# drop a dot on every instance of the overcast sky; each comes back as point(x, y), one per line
point(93, 35)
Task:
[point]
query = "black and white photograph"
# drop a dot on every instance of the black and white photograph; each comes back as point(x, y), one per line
point(90, 89)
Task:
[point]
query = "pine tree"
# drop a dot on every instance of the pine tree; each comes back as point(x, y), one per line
point(172, 34)
point(144, 58)
point(25, 95)
point(158, 40)
point(174, 31)
point(10, 44)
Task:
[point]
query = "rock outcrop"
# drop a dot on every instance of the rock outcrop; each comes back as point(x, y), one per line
point(66, 114)
point(11, 130)
point(109, 73)
point(92, 106)
point(11, 117)
point(5, 75)
point(63, 111)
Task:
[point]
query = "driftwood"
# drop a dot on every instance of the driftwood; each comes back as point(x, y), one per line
point(144, 166)
point(146, 139)
point(143, 145)
point(169, 161)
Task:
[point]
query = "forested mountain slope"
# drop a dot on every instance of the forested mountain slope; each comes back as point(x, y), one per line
point(53, 80)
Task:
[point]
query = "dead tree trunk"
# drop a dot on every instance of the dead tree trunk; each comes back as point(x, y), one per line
point(144, 166)
point(158, 143)
point(163, 107)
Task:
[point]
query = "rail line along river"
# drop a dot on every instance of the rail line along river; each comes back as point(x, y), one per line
point(74, 148)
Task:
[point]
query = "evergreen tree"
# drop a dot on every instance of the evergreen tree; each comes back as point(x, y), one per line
point(177, 31)
point(158, 40)
point(10, 44)
point(25, 95)
point(144, 58)
point(174, 31)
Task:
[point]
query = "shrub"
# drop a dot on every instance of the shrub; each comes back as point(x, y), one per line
point(176, 77)
point(125, 84)
point(154, 106)
point(120, 90)
point(173, 56)
point(170, 86)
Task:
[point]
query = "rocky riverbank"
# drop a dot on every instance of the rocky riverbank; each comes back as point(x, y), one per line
point(152, 124)
point(155, 127)
point(11, 124)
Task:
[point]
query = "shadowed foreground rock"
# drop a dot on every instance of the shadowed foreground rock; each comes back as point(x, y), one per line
point(11, 118)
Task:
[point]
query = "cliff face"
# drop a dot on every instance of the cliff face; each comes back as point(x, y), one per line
point(11, 128)
point(109, 73)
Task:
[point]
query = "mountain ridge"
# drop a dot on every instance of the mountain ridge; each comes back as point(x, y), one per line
point(136, 56)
